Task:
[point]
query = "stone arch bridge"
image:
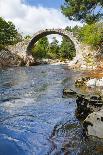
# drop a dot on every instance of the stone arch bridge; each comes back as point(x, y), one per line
point(23, 49)
point(42, 33)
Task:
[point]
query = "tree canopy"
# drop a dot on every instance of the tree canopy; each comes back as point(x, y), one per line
point(92, 34)
point(8, 33)
point(67, 49)
point(54, 48)
point(88, 11)
point(40, 48)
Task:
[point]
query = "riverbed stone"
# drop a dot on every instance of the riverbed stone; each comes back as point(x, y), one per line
point(87, 105)
point(93, 124)
point(69, 92)
point(90, 111)
point(83, 110)
point(94, 82)
point(81, 81)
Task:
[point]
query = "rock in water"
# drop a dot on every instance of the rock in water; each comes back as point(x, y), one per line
point(69, 92)
point(83, 110)
point(90, 109)
point(87, 105)
point(93, 124)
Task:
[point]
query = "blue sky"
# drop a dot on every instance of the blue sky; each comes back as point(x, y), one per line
point(45, 3)
point(42, 15)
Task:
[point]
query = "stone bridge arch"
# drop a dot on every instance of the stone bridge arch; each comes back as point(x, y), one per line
point(46, 32)
point(23, 49)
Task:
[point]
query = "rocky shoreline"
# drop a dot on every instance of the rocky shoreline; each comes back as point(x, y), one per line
point(10, 59)
point(13, 59)
point(89, 108)
point(7, 59)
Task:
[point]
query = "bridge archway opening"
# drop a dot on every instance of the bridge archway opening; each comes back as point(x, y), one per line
point(37, 36)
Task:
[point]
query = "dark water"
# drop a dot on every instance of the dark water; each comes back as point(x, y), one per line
point(34, 117)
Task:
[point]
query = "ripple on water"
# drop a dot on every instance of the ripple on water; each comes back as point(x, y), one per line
point(35, 119)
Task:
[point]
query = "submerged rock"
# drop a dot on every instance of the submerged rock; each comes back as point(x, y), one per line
point(69, 92)
point(93, 124)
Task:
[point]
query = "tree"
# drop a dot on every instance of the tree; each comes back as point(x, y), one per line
point(40, 48)
point(53, 51)
point(92, 35)
point(67, 49)
point(88, 11)
point(8, 33)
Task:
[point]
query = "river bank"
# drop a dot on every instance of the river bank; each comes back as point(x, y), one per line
point(89, 99)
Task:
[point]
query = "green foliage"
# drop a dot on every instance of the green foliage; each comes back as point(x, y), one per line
point(27, 37)
point(53, 51)
point(2, 47)
point(89, 59)
point(67, 49)
point(44, 49)
point(88, 11)
point(92, 34)
point(8, 33)
point(40, 48)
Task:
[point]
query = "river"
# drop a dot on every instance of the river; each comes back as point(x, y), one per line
point(35, 119)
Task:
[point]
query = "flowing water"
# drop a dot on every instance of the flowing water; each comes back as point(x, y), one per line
point(35, 119)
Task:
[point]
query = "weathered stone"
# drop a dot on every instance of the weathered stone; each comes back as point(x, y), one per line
point(81, 82)
point(69, 92)
point(95, 82)
point(8, 59)
point(83, 110)
point(87, 105)
point(93, 124)
point(20, 50)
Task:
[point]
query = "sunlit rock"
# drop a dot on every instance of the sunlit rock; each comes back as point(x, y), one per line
point(93, 124)
point(95, 82)
point(81, 81)
point(8, 59)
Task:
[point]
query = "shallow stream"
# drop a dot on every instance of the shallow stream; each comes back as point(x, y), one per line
point(35, 119)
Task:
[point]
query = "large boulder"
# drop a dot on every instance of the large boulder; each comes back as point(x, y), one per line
point(90, 110)
point(20, 49)
point(93, 124)
point(8, 59)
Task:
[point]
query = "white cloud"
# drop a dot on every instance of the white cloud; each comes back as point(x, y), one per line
point(30, 19)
